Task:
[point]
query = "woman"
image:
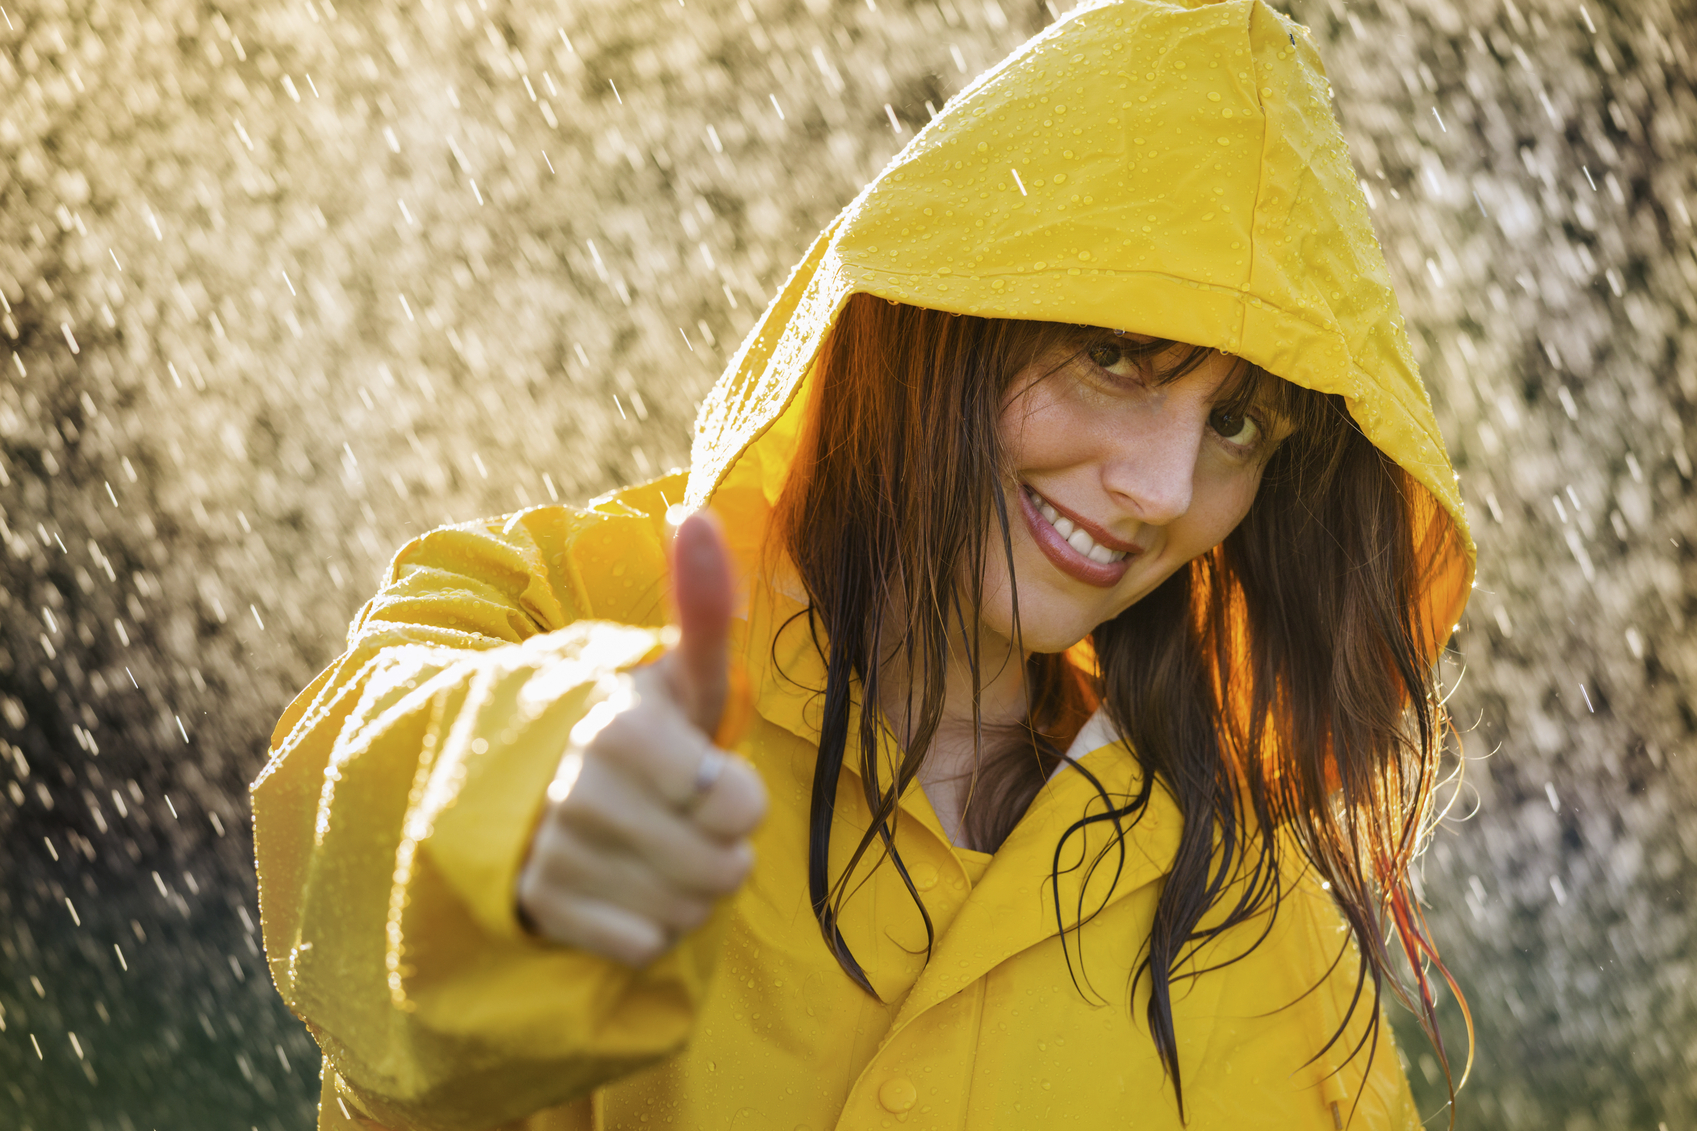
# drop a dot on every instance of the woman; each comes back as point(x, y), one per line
point(1082, 677)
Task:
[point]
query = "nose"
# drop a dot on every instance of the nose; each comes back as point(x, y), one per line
point(1154, 471)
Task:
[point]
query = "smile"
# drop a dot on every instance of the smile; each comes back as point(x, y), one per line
point(1071, 548)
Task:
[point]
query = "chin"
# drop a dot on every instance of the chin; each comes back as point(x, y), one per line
point(1041, 629)
point(1044, 637)
point(1049, 621)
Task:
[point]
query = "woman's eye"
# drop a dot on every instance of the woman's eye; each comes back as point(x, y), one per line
point(1235, 428)
point(1121, 366)
point(1106, 355)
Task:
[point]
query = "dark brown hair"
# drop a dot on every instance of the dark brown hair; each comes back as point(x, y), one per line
point(1281, 681)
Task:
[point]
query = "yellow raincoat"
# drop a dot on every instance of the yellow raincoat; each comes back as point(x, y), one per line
point(1146, 166)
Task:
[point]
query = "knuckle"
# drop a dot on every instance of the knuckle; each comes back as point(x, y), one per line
point(567, 864)
point(547, 832)
point(614, 740)
point(569, 807)
point(567, 868)
point(535, 877)
point(596, 809)
point(687, 914)
point(631, 823)
point(757, 805)
point(607, 943)
point(585, 791)
point(744, 805)
point(537, 904)
point(703, 874)
point(552, 919)
point(750, 791)
point(743, 864)
point(598, 823)
point(589, 927)
point(643, 945)
point(530, 892)
point(725, 870)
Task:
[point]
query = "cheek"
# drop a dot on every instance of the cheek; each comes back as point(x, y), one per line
point(996, 610)
point(1220, 505)
point(1043, 426)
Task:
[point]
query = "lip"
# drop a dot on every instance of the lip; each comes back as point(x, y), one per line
point(1103, 575)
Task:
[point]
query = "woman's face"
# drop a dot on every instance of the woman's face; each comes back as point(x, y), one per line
point(1117, 481)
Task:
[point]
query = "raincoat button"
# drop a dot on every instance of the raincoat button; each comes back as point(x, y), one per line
point(897, 1095)
point(924, 876)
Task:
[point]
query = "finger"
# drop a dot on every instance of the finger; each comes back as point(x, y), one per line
point(703, 586)
point(655, 742)
point(734, 807)
point(608, 807)
point(600, 928)
point(671, 755)
point(566, 861)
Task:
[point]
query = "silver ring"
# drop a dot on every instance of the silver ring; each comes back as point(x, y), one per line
point(707, 774)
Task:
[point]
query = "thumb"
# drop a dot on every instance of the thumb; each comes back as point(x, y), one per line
point(703, 587)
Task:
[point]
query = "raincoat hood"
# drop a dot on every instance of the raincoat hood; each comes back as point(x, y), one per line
point(1167, 169)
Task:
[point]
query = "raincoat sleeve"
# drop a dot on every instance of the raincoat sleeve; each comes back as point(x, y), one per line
point(394, 814)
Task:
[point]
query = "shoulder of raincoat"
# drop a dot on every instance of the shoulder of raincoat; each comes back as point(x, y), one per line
point(1157, 168)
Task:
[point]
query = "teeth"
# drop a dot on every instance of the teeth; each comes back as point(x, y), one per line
point(1075, 536)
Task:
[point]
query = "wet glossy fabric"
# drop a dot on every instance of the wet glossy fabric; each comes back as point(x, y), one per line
point(392, 820)
point(1139, 165)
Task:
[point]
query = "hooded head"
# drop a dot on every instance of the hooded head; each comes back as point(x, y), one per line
point(1171, 170)
point(1165, 169)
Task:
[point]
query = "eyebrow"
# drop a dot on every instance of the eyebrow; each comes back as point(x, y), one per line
point(1265, 398)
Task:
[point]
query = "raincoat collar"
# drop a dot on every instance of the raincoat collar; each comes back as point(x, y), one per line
point(1000, 917)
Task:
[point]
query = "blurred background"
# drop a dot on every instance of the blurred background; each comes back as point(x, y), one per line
point(288, 282)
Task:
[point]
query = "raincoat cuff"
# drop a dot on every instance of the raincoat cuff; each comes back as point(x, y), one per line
point(491, 777)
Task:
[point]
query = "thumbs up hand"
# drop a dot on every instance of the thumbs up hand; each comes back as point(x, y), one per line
point(647, 823)
point(700, 665)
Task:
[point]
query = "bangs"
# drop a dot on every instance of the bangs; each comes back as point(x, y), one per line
point(1304, 413)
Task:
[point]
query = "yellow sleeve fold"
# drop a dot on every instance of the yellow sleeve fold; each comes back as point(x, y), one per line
point(392, 819)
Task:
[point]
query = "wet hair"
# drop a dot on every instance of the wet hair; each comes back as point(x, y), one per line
point(1280, 683)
